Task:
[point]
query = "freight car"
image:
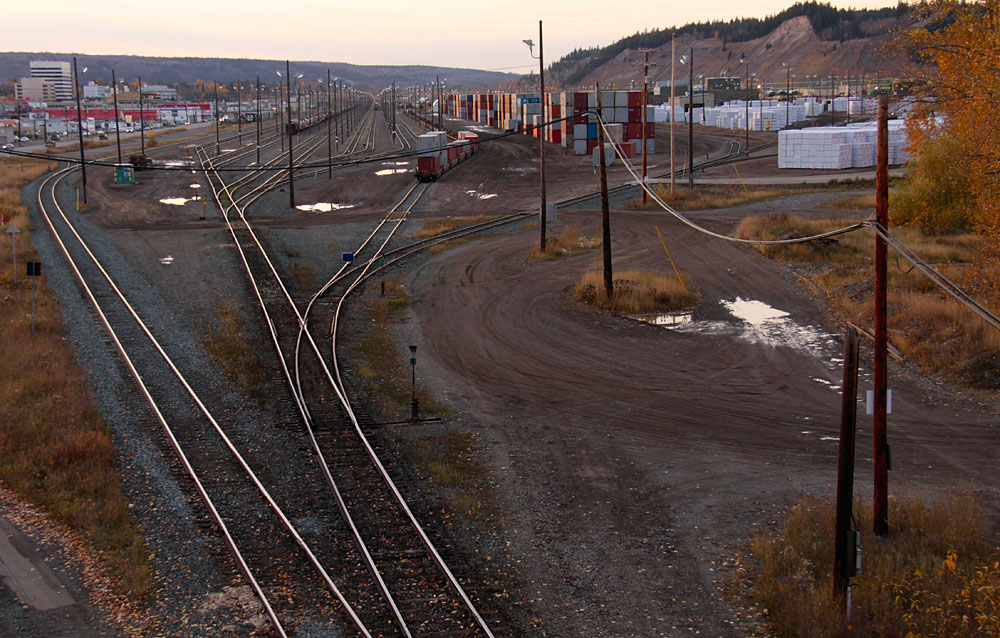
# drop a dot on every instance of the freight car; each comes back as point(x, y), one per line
point(438, 155)
point(300, 124)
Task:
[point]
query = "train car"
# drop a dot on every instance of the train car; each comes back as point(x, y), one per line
point(438, 155)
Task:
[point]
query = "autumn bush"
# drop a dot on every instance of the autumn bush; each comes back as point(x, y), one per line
point(936, 573)
point(637, 291)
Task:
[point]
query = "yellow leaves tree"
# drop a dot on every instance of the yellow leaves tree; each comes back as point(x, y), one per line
point(957, 56)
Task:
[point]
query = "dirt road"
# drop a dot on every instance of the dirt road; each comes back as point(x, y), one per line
point(632, 455)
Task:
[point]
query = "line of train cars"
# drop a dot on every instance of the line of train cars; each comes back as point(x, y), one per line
point(436, 154)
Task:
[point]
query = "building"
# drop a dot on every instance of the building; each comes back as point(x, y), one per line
point(159, 92)
point(60, 74)
point(95, 91)
point(35, 90)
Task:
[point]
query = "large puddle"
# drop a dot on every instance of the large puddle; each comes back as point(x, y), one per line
point(391, 171)
point(479, 195)
point(323, 207)
point(179, 201)
point(755, 321)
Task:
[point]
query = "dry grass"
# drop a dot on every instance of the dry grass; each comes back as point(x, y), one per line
point(925, 324)
point(55, 448)
point(708, 197)
point(636, 291)
point(934, 575)
point(380, 365)
point(435, 227)
point(567, 244)
point(232, 346)
point(854, 203)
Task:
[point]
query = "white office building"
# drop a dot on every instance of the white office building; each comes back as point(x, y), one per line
point(59, 74)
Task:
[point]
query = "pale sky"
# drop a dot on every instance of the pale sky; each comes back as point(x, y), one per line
point(456, 33)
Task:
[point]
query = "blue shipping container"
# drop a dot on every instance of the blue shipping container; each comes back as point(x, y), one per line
point(592, 131)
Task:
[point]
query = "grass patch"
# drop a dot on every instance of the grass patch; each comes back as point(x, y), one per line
point(935, 575)
point(636, 291)
point(386, 374)
point(305, 276)
point(55, 449)
point(233, 347)
point(567, 244)
point(854, 203)
point(707, 197)
point(925, 324)
point(435, 227)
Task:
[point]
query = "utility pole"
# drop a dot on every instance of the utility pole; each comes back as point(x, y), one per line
point(645, 98)
point(291, 175)
point(239, 113)
point(118, 133)
point(746, 102)
point(257, 86)
point(842, 560)
point(673, 90)
point(142, 121)
point(79, 130)
point(541, 141)
point(882, 461)
point(329, 130)
point(605, 213)
point(691, 119)
point(217, 145)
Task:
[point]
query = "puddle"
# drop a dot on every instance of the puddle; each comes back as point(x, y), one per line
point(179, 201)
point(829, 438)
point(757, 323)
point(520, 169)
point(323, 207)
point(173, 163)
point(166, 261)
point(395, 163)
point(479, 195)
point(391, 171)
point(195, 186)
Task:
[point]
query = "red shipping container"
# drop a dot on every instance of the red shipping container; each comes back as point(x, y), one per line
point(633, 130)
point(635, 98)
point(650, 129)
point(591, 145)
point(555, 111)
point(556, 137)
point(429, 164)
point(635, 113)
point(628, 148)
point(580, 100)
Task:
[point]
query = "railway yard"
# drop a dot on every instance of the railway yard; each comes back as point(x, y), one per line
point(579, 473)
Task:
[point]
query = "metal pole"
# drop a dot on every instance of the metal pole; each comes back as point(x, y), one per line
point(118, 136)
point(541, 139)
point(32, 306)
point(645, 93)
point(79, 131)
point(257, 87)
point(142, 121)
point(845, 468)
point(280, 117)
point(329, 130)
point(747, 104)
point(291, 175)
point(788, 92)
point(691, 121)
point(217, 145)
point(13, 253)
point(239, 113)
point(609, 290)
point(673, 91)
point(881, 493)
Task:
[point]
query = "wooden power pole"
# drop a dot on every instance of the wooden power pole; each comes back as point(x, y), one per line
point(605, 214)
point(881, 493)
point(842, 560)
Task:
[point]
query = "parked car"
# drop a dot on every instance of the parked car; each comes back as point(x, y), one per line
point(6, 146)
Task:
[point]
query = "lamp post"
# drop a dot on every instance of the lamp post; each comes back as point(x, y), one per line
point(788, 90)
point(291, 174)
point(329, 129)
point(744, 61)
point(142, 121)
point(689, 61)
point(79, 129)
point(239, 113)
point(257, 109)
point(541, 134)
point(645, 99)
point(217, 145)
point(118, 136)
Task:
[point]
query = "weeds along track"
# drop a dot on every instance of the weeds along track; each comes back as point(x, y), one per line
point(211, 452)
point(418, 593)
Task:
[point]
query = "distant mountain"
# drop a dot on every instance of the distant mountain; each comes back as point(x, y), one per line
point(187, 70)
point(814, 39)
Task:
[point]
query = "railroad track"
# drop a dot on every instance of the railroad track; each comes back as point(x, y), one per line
point(408, 568)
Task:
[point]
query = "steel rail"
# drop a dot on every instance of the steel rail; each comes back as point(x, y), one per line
point(205, 411)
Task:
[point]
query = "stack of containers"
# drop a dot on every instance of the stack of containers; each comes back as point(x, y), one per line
point(432, 151)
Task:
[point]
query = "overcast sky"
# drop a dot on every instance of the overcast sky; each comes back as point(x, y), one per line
point(456, 33)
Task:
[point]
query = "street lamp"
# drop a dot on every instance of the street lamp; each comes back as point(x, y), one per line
point(239, 113)
point(118, 136)
point(689, 61)
point(788, 89)
point(744, 61)
point(79, 129)
point(541, 133)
